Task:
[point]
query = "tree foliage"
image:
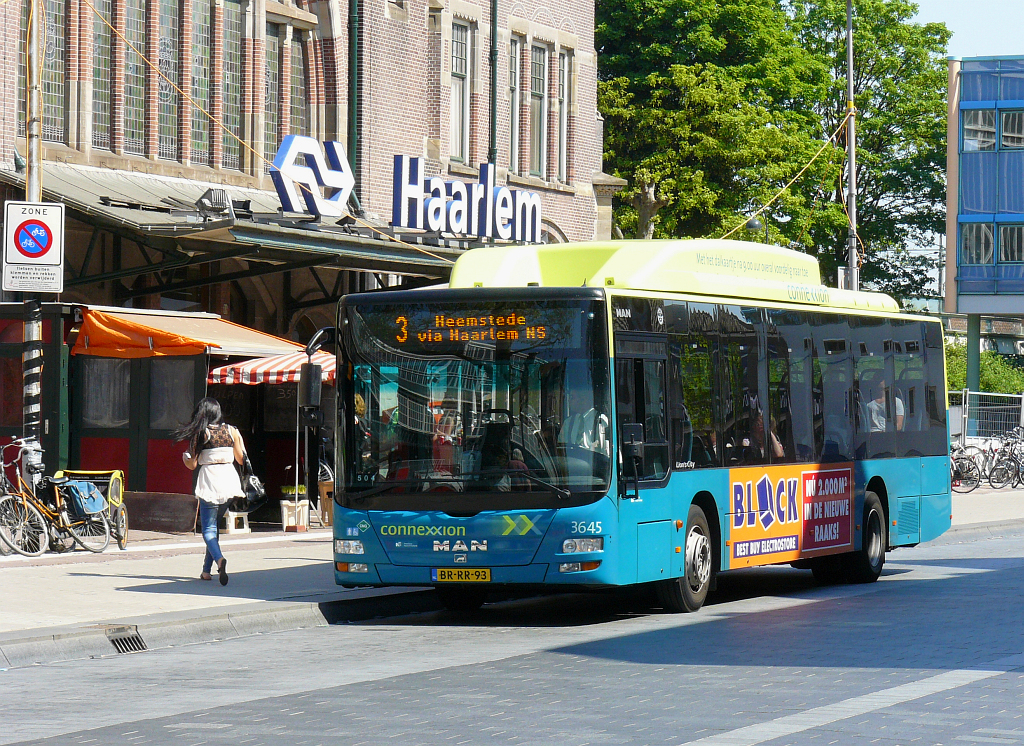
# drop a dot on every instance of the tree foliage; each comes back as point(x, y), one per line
point(712, 106)
point(996, 375)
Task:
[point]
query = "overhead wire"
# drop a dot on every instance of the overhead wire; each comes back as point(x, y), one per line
point(799, 173)
point(243, 143)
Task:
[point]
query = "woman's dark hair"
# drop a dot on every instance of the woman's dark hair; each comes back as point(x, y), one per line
point(206, 413)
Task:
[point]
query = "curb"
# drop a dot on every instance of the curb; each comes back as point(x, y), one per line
point(35, 647)
point(975, 531)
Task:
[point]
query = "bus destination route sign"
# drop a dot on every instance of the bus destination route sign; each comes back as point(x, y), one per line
point(447, 328)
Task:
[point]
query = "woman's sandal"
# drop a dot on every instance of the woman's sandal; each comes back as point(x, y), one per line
point(222, 571)
point(205, 576)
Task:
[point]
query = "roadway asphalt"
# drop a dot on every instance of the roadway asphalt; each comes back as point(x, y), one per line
point(73, 606)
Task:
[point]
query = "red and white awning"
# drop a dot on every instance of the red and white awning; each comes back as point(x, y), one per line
point(277, 369)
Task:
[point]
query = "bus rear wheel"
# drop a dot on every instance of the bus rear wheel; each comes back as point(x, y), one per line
point(865, 565)
point(461, 599)
point(689, 592)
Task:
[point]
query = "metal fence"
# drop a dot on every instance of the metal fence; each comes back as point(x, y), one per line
point(973, 414)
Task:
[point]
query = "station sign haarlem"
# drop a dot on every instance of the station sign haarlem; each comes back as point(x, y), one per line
point(302, 168)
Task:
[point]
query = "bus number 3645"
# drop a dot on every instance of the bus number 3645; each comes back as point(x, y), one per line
point(582, 527)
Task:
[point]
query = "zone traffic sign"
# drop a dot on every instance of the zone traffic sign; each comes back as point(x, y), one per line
point(33, 247)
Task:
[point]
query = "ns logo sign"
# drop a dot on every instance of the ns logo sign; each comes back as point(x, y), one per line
point(300, 170)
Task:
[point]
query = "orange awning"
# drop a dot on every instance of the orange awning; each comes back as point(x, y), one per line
point(132, 334)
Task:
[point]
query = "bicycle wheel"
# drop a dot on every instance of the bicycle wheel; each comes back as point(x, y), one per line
point(92, 532)
point(970, 475)
point(120, 526)
point(22, 527)
point(1003, 473)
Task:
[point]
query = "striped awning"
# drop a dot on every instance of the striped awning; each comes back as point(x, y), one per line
point(277, 369)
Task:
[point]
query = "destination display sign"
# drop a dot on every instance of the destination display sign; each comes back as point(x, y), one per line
point(467, 328)
point(433, 329)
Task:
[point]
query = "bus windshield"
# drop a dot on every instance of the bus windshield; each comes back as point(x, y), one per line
point(478, 397)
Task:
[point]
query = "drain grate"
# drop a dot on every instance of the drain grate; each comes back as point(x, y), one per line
point(126, 639)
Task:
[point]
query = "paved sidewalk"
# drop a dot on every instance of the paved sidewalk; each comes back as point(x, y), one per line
point(66, 606)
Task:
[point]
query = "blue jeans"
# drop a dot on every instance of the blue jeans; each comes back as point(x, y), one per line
point(209, 519)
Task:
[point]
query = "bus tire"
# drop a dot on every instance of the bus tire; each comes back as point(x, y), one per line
point(461, 599)
point(689, 592)
point(865, 565)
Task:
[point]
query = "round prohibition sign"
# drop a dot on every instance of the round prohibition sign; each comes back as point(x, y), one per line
point(33, 239)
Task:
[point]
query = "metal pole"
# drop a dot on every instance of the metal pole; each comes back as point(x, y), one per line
point(492, 150)
point(32, 338)
point(33, 114)
point(853, 275)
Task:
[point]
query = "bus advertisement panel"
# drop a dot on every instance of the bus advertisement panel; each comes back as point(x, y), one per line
point(785, 513)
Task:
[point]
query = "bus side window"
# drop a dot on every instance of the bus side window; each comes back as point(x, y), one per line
point(695, 434)
point(640, 398)
point(834, 366)
point(879, 412)
point(744, 427)
point(790, 386)
point(937, 442)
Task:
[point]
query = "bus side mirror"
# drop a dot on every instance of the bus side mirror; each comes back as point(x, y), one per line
point(310, 383)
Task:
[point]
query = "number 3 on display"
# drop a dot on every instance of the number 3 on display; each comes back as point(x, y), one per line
point(403, 335)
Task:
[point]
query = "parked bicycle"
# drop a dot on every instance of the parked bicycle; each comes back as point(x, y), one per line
point(965, 476)
point(41, 512)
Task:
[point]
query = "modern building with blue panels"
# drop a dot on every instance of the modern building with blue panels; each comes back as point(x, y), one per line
point(985, 193)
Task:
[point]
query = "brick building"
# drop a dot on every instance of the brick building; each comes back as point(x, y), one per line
point(130, 155)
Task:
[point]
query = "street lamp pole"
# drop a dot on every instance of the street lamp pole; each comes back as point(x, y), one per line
point(853, 268)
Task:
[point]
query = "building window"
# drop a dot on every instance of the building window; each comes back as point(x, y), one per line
point(460, 93)
point(135, 78)
point(272, 85)
point(538, 110)
point(101, 75)
point(1011, 243)
point(564, 78)
point(1013, 129)
point(976, 243)
point(200, 81)
point(232, 84)
point(52, 82)
point(300, 101)
point(513, 99)
point(979, 130)
point(167, 116)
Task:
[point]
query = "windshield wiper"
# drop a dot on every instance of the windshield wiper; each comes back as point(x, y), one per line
point(561, 492)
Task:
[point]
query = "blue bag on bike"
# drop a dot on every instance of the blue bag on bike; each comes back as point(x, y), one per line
point(85, 498)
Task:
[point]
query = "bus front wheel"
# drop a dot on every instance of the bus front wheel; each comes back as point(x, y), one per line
point(688, 592)
point(461, 599)
point(866, 564)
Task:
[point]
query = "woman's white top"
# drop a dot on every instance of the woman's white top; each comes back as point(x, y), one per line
point(218, 480)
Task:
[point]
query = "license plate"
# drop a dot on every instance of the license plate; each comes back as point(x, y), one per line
point(461, 575)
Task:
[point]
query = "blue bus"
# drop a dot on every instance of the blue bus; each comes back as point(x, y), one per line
point(613, 413)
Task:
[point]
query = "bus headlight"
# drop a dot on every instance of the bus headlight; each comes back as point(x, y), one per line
point(592, 544)
point(347, 546)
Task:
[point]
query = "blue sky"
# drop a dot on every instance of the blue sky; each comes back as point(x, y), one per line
point(980, 27)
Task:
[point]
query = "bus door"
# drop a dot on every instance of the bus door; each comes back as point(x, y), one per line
point(641, 366)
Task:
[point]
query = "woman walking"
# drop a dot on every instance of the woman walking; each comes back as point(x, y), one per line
point(214, 447)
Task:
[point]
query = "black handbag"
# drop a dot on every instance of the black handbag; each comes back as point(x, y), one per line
point(255, 492)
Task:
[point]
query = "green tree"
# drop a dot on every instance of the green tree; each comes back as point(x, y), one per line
point(711, 106)
point(996, 375)
point(900, 83)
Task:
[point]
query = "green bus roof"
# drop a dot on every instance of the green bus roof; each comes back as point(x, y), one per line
point(722, 268)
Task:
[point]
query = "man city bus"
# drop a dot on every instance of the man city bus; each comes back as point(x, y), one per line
point(615, 413)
